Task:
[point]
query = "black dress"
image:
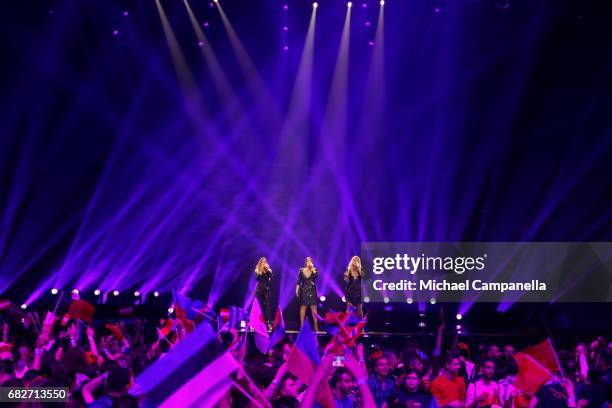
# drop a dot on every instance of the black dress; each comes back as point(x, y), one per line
point(307, 288)
point(262, 292)
point(353, 289)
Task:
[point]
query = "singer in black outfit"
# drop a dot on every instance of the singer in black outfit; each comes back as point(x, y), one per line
point(352, 277)
point(306, 291)
point(263, 274)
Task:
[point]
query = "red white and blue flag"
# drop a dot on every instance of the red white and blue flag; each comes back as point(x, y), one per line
point(195, 373)
point(258, 323)
point(303, 361)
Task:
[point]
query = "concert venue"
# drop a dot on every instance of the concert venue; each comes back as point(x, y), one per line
point(295, 203)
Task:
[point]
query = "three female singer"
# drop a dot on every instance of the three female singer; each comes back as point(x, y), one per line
point(306, 291)
point(352, 277)
point(263, 274)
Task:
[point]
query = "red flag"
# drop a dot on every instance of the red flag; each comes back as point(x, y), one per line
point(544, 354)
point(532, 375)
point(115, 330)
point(168, 327)
point(81, 309)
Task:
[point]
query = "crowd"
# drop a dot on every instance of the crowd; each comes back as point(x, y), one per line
point(99, 366)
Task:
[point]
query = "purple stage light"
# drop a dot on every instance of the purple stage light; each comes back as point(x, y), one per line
point(54, 291)
point(200, 43)
point(115, 32)
point(156, 294)
point(136, 293)
point(206, 24)
point(97, 292)
point(371, 43)
point(322, 298)
point(115, 293)
point(286, 48)
point(75, 291)
point(24, 306)
point(409, 300)
point(432, 301)
point(285, 7)
point(459, 316)
point(126, 13)
point(364, 5)
point(367, 23)
point(285, 28)
point(437, 10)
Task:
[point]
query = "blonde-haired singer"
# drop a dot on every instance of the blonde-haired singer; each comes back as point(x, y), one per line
point(306, 291)
point(352, 277)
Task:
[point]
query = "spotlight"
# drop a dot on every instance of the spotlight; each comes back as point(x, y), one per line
point(422, 324)
point(432, 301)
point(349, 4)
point(136, 293)
point(322, 298)
point(382, 2)
point(386, 299)
point(315, 5)
point(75, 291)
point(409, 300)
point(97, 292)
point(24, 306)
point(421, 314)
point(459, 331)
point(459, 316)
point(458, 327)
point(216, 1)
point(156, 294)
point(242, 324)
point(366, 299)
point(344, 299)
point(54, 291)
point(116, 292)
point(170, 310)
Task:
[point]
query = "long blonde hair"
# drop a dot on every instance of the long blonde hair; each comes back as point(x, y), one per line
point(355, 264)
point(306, 264)
point(262, 266)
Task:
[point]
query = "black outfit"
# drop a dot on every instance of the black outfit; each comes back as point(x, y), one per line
point(307, 288)
point(262, 292)
point(353, 289)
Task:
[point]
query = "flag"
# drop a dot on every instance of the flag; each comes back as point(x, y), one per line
point(278, 329)
point(195, 373)
point(544, 353)
point(80, 309)
point(258, 323)
point(168, 327)
point(182, 309)
point(115, 330)
point(181, 305)
point(303, 361)
point(532, 375)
